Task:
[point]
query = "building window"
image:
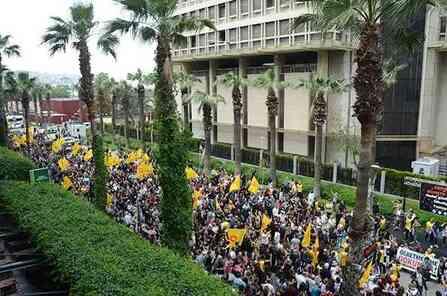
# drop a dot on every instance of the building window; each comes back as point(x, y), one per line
point(202, 38)
point(284, 27)
point(212, 38)
point(212, 12)
point(222, 10)
point(233, 35)
point(257, 5)
point(443, 25)
point(257, 31)
point(280, 142)
point(244, 33)
point(222, 37)
point(284, 3)
point(202, 13)
point(244, 6)
point(193, 42)
point(233, 8)
point(270, 29)
point(270, 3)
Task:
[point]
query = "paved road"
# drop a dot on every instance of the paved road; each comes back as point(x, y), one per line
point(405, 279)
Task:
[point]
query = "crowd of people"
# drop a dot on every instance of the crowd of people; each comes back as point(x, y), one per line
point(262, 240)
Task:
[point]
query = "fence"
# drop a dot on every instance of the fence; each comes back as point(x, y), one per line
point(388, 180)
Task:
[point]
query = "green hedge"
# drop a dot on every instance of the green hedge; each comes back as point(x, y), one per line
point(345, 192)
point(94, 254)
point(14, 166)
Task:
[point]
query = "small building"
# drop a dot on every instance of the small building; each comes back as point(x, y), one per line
point(64, 109)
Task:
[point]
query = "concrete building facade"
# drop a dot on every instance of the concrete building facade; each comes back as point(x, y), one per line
point(254, 35)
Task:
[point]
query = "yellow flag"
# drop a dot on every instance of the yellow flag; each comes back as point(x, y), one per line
point(266, 221)
point(236, 185)
point(254, 185)
point(144, 170)
point(112, 160)
point(67, 183)
point(316, 251)
point(132, 157)
point(56, 146)
point(88, 155)
point(19, 140)
point(31, 133)
point(190, 174)
point(109, 201)
point(235, 236)
point(75, 149)
point(306, 239)
point(196, 197)
point(366, 274)
point(64, 164)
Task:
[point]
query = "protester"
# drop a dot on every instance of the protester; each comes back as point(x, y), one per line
point(260, 239)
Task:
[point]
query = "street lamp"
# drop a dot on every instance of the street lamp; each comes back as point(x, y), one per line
point(375, 169)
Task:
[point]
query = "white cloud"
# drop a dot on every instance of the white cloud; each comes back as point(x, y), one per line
point(27, 20)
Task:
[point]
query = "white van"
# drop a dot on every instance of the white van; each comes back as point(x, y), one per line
point(15, 122)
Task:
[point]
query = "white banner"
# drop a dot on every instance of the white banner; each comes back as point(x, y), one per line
point(411, 260)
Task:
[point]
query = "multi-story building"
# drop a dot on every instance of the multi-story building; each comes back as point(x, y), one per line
point(253, 35)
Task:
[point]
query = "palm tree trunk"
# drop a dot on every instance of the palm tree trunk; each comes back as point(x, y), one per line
point(317, 162)
point(126, 125)
point(207, 125)
point(35, 109)
point(237, 106)
point(101, 117)
point(272, 107)
point(49, 108)
point(25, 106)
point(3, 121)
point(141, 93)
point(185, 109)
point(40, 108)
point(114, 101)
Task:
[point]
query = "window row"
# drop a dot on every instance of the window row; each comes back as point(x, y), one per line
point(240, 9)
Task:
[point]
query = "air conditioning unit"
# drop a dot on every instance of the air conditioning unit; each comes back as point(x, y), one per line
point(426, 166)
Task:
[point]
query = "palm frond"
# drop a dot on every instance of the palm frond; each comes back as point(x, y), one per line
point(123, 26)
point(108, 43)
point(13, 50)
point(148, 34)
point(390, 73)
point(192, 24)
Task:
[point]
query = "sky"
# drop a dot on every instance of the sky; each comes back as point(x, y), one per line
point(27, 20)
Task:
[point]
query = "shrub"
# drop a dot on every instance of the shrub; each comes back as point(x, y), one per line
point(14, 166)
point(94, 254)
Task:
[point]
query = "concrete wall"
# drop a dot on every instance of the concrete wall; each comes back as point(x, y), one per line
point(257, 110)
point(225, 111)
point(441, 104)
point(257, 137)
point(296, 105)
point(296, 143)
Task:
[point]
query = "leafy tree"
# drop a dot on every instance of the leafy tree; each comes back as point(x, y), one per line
point(185, 82)
point(271, 82)
point(364, 17)
point(103, 88)
point(61, 91)
point(235, 82)
point(78, 30)
point(206, 104)
point(9, 50)
point(154, 21)
point(319, 88)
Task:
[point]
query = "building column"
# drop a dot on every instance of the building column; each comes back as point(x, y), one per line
point(323, 70)
point(279, 63)
point(212, 90)
point(244, 91)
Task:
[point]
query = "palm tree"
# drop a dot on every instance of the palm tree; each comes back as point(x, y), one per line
point(142, 80)
point(9, 50)
point(103, 87)
point(78, 29)
point(154, 21)
point(25, 85)
point(115, 96)
point(37, 95)
point(125, 94)
point(185, 82)
point(47, 90)
point(319, 88)
point(366, 18)
point(206, 104)
point(271, 81)
point(11, 89)
point(233, 80)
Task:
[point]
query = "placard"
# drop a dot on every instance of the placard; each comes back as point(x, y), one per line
point(433, 198)
point(411, 260)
